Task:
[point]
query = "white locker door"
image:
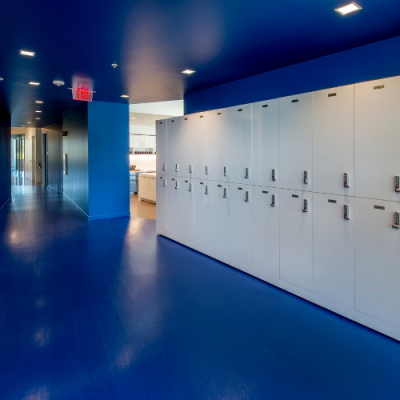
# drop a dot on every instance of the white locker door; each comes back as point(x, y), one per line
point(219, 217)
point(266, 229)
point(377, 252)
point(265, 143)
point(240, 144)
point(161, 138)
point(173, 188)
point(202, 213)
point(333, 140)
point(296, 251)
point(202, 146)
point(240, 225)
point(161, 209)
point(334, 247)
point(173, 146)
point(377, 138)
point(219, 145)
point(295, 147)
point(186, 209)
point(187, 145)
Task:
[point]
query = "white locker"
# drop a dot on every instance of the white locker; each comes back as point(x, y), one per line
point(202, 154)
point(377, 254)
point(333, 141)
point(161, 138)
point(173, 146)
point(295, 147)
point(186, 209)
point(377, 138)
point(266, 229)
point(219, 145)
point(188, 145)
point(240, 225)
point(173, 188)
point(334, 247)
point(219, 217)
point(296, 247)
point(239, 142)
point(265, 143)
point(202, 212)
point(161, 209)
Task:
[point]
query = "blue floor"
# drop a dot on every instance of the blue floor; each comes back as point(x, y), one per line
point(108, 310)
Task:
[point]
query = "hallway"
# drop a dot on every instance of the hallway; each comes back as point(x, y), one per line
point(108, 310)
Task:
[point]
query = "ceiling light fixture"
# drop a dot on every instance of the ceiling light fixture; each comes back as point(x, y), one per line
point(38, 111)
point(125, 96)
point(37, 118)
point(114, 65)
point(1, 79)
point(349, 8)
point(188, 72)
point(59, 83)
point(27, 53)
point(39, 102)
point(29, 122)
point(34, 83)
point(133, 117)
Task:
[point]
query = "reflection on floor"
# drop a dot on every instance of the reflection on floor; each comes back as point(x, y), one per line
point(142, 209)
point(18, 179)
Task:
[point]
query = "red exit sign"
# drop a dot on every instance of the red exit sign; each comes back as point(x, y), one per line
point(82, 94)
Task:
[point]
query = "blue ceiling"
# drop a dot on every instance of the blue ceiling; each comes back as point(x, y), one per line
point(153, 41)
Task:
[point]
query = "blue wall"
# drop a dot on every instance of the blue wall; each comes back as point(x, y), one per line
point(54, 148)
point(5, 155)
point(108, 160)
point(374, 61)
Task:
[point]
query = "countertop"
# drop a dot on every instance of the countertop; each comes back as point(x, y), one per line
point(149, 174)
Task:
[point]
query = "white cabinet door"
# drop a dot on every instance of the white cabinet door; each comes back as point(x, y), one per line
point(219, 217)
point(295, 148)
point(296, 247)
point(202, 145)
point(266, 229)
point(265, 143)
point(149, 142)
point(239, 142)
point(377, 253)
point(173, 205)
point(187, 145)
point(173, 146)
point(202, 213)
point(161, 209)
point(186, 209)
point(161, 138)
point(240, 225)
point(152, 188)
point(143, 187)
point(334, 247)
point(377, 138)
point(333, 140)
point(137, 141)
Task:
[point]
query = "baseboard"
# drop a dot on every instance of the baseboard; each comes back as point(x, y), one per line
point(109, 216)
point(5, 202)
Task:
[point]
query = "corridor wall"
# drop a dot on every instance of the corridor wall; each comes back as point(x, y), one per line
point(5, 155)
point(301, 192)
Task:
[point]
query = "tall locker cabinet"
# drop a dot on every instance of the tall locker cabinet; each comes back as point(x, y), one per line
point(334, 247)
point(377, 260)
point(265, 143)
point(202, 213)
point(173, 188)
point(161, 196)
point(189, 145)
point(173, 146)
point(295, 150)
point(296, 247)
point(377, 139)
point(186, 209)
point(333, 141)
point(202, 150)
point(161, 138)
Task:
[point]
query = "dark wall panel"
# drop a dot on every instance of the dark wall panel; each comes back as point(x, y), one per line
point(5, 155)
point(374, 61)
point(54, 147)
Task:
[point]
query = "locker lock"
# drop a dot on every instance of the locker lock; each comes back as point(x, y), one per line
point(164, 167)
point(190, 187)
point(273, 203)
point(176, 167)
point(190, 168)
point(225, 193)
point(206, 190)
point(396, 224)
point(206, 170)
point(274, 174)
point(247, 173)
point(397, 183)
point(305, 208)
point(346, 212)
point(225, 171)
point(176, 185)
point(346, 180)
point(247, 196)
point(306, 177)
point(165, 183)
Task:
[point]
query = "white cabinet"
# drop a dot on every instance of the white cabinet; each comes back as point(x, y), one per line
point(137, 141)
point(173, 146)
point(186, 209)
point(296, 247)
point(265, 143)
point(161, 138)
point(219, 217)
point(334, 247)
point(377, 138)
point(239, 144)
point(161, 209)
point(149, 142)
point(152, 188)
point(147, 187)
point(377, 254)
point(266, 229)
point(295, 124)
point(333, 140)
point(202, 213)
point(173, 189)
point(240, 226)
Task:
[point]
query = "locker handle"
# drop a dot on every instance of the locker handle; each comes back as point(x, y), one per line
point(206, 169)
point(397, 183)
point(164, 168)
point(305, 208)
point(346, 210)
point(190, 168)
point(176, 185)
point(165, 183)
point(190, 187)
point(225, 171)
point(247, 173)
point(274, 174)
point(273, 203)
point(306, 177)
point(346, 180)
point(225, 193)
point(176, 167)
point(206, 190)
point(396, 224)
point(247, 197)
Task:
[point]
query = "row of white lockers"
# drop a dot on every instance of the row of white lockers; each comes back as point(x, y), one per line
point(312, 142)
point(344, 249)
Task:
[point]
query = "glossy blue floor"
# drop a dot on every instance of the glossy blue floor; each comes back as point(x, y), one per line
point(108, 310)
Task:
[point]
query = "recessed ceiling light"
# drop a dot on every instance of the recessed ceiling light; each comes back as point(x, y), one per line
point(58, 83)
point(1, 79)
point(29, 122)
point(34, 83)
point(188, 72)
point(125, 96)
point(37, 118)
point(39, 102)
point(27, 53)
point(38, 111)
point(114, 65)
point(349, 8)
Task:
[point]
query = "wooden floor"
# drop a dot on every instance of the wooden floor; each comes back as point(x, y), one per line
point(142, 209)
